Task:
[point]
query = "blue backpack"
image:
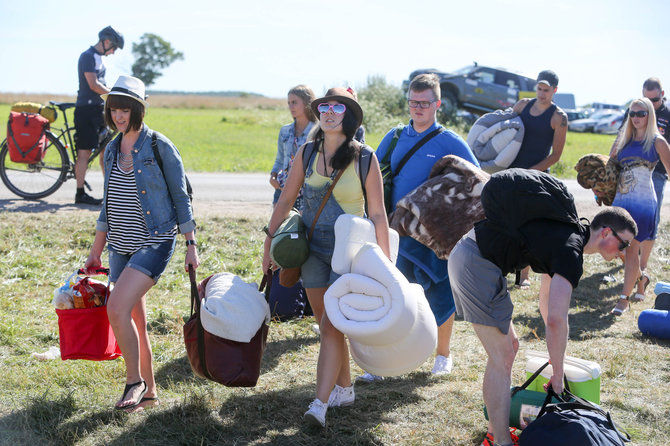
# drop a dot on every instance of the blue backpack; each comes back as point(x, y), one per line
point(288, 303)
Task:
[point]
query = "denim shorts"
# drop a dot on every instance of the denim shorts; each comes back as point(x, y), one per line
point(151, 260)
point(316, 272)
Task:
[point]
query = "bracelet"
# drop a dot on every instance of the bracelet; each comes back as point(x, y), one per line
point(191, 242)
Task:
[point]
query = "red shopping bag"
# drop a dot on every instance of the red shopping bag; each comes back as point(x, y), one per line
point(85, 333)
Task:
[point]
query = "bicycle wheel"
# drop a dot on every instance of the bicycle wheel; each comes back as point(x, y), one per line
point(33, 181)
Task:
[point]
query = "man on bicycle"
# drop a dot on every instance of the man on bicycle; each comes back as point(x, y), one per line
point(88, 112)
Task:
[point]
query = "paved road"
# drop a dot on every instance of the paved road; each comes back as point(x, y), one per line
point(232, 194)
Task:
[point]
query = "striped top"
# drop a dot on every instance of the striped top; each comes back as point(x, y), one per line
point(128, 230)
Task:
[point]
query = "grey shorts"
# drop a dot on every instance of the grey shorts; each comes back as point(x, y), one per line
point(479, 287)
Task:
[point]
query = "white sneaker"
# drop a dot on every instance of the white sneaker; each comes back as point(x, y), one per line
point(316, 329)
point(442, 365)
point(316, 414)
point(341, 396)
point(368, 378)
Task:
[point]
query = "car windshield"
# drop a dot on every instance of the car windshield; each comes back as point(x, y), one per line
point(465, 70)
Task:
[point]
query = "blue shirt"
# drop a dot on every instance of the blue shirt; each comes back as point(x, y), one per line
point(163, 198)
point(416, 170)
point(90, 62)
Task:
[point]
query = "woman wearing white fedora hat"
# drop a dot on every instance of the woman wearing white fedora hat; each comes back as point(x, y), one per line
point(332, 161)
point(145, 204)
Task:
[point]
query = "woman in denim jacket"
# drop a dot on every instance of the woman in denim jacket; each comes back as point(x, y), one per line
point(292, 136)
point(143, 209)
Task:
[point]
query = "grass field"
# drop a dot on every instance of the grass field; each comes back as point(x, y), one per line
point(70, 402)
point(240, 134)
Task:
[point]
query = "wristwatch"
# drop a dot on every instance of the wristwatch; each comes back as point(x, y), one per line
point(191, 242)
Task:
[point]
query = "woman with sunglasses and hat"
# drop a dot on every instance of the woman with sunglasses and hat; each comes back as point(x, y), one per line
point(145, 204)
point(640, 147)
point(340, 116)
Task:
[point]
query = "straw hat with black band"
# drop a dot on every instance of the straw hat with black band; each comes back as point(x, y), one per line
point(343, 96)
point(128, 86)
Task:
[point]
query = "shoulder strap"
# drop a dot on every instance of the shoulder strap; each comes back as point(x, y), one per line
point(416, 147)
point(307, 153)
point(159, 160)
point(323, 202)
point(392, 144)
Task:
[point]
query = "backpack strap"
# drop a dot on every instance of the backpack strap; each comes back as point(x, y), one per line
point(392, 144)
point(307, 153)
point(159, 160)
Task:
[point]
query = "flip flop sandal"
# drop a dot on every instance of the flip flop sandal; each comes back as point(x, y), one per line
point(146, 402)
point(127, 389)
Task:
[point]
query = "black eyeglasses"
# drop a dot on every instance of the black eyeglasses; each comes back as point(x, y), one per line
point(638, 114)
point(655, 99)
point(623, 244)
point(419, 104)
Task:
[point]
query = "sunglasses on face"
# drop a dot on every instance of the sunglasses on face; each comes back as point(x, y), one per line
point(623, 244)
point(338, 109)
point(655, 99)
point(419, 104)
point(638, 114)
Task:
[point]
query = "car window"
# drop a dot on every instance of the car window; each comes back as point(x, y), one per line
point(484, 75)
point(508, 80)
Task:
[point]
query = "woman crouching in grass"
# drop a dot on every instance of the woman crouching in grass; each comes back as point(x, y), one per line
point(144, 207)
point(339, 118)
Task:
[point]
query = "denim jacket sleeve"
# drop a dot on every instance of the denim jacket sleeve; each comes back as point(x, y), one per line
point(280, 159)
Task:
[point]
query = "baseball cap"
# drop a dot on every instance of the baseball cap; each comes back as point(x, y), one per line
point(547, 77)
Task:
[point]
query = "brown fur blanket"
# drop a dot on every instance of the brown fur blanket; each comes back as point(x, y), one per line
point(445, 207)
point(600, 173)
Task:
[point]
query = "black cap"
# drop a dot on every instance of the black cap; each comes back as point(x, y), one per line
point(548, 77)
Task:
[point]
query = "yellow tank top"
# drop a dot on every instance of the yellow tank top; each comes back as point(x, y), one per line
point(347, 192)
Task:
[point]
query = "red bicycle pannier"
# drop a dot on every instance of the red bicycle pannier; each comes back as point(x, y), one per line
point(26, 137)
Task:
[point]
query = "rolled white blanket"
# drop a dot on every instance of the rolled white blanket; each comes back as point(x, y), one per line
point(351, 233)
point(407, 354)
point(390, 326)
point(232, 308)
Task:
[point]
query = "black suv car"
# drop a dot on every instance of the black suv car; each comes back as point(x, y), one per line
point(477, 88)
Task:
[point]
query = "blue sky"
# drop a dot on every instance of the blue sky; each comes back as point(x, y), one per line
point(601, 50)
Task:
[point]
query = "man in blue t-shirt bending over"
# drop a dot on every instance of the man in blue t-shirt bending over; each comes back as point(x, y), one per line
point(416, 261)
point(89, 108)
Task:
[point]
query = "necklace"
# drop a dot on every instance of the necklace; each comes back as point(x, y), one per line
point(125, 162)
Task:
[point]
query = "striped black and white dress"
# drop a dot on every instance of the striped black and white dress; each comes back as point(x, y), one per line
point(128, 231)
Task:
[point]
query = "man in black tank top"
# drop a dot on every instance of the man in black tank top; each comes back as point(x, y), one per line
point(545, 130)
point(545, 126)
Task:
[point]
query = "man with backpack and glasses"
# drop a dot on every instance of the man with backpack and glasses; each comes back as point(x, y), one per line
point(531, 220)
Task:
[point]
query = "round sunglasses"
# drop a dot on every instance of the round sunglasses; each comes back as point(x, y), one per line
point(338, 109)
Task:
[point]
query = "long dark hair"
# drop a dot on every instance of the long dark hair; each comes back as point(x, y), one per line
point(349, 148)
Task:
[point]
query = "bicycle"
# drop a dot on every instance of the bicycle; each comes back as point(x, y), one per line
point(39, 180)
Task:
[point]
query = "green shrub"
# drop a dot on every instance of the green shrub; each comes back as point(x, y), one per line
point(384, 105)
